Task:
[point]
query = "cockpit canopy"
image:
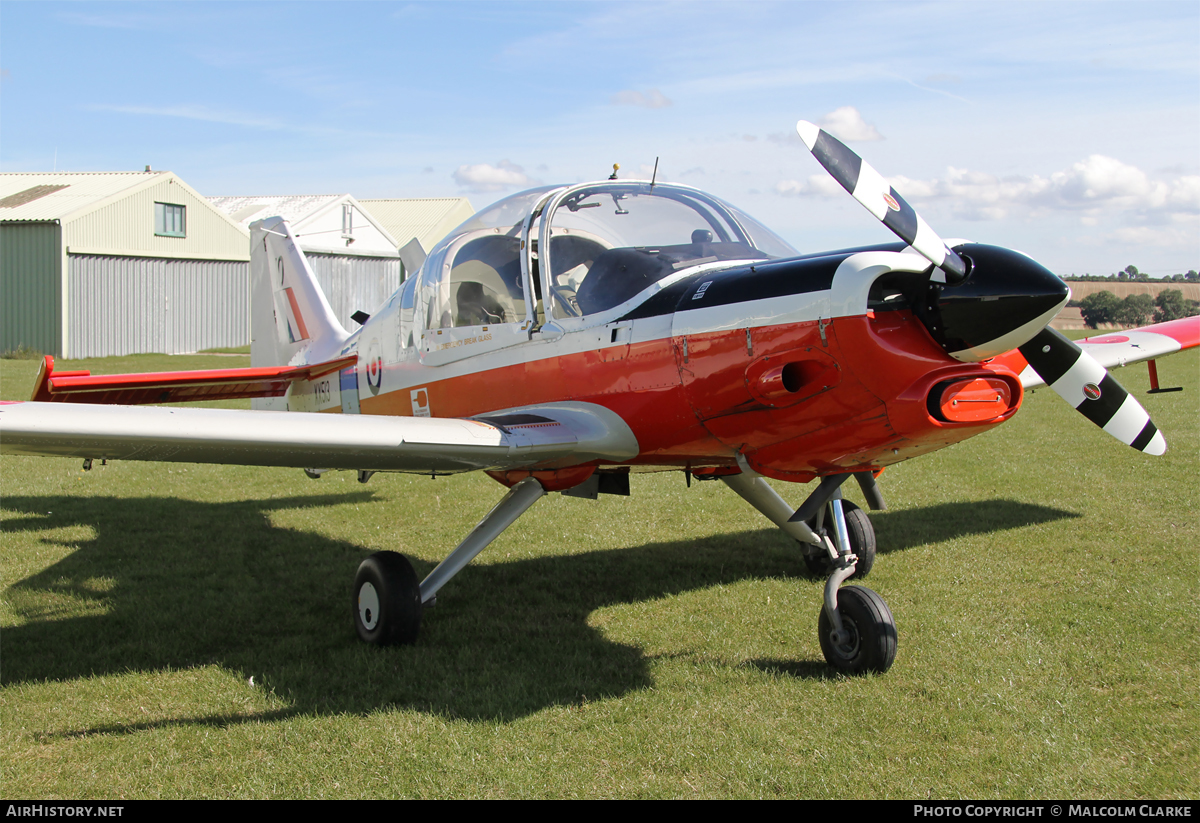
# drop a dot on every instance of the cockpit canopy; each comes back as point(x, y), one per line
point(580, 250)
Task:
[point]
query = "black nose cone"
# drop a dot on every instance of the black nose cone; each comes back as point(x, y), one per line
point(1005, 301)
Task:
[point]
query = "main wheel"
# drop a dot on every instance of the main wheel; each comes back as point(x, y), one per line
point(870, 642)
point(387, 600)
point(862, 542)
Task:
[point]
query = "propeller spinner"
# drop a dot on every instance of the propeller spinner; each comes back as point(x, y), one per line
point(962, 314)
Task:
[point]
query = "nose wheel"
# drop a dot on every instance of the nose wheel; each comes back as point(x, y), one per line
point(866, 639)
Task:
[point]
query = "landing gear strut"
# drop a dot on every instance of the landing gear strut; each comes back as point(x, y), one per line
point(388, 600)
point(862, 541)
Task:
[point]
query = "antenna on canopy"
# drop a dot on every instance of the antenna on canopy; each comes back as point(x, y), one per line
point(616, 167)
point(654, 176)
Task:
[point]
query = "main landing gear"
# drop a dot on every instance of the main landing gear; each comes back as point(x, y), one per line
point(867, 640)
point(388, 601)
point(855, 626)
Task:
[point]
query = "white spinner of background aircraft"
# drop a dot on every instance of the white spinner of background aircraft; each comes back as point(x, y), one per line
point(570, 334)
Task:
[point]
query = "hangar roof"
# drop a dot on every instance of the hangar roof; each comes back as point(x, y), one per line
point(42, 196)
point(428, 219)
point(316, 218)
point(294, 208)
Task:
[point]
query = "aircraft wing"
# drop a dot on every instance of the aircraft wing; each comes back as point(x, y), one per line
point(1120, 348)
point(544, 436)
point(174, 387)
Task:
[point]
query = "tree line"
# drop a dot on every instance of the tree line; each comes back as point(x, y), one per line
point(1136, 309)
point(1130, 274)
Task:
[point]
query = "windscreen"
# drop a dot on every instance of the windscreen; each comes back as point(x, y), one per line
point(609, 241)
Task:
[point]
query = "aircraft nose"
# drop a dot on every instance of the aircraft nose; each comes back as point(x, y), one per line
point(1003, 303)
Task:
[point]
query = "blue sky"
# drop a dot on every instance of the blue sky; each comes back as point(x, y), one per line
point(1070, 131)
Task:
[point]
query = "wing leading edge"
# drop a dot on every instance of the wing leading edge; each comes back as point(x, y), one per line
point(537, 437)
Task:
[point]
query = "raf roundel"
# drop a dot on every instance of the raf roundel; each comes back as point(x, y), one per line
point(374, 367)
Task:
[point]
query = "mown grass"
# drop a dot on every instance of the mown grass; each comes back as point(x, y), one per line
point(184, 631)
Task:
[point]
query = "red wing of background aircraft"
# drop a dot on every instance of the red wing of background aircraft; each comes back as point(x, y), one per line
point(569, 335)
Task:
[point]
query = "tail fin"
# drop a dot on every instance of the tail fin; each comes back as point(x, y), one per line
point(291, 323)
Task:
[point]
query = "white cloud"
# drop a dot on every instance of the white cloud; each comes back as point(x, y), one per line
point(1100, 178)
point(483, 177)
point(784, 137)
point(817, 185)
point(1183, 237)
point(1185, 194)
point(847, 124)
point(1087, 187)
point(652, 99)
point(194, 112)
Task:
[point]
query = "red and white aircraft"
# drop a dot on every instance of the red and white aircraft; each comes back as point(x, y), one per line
point(570, 334)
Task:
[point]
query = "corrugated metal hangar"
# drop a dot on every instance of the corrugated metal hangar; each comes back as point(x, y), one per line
point(354, 258)
point(94, 264)
point(103, 263)
point(359, 250)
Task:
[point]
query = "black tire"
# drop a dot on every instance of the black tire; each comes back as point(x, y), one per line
point(387, 600)
point(862, 543)
point(867, 620)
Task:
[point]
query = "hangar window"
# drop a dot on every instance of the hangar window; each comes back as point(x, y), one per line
point(170, 220)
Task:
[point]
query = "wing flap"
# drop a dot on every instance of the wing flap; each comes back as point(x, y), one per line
point(174, 387)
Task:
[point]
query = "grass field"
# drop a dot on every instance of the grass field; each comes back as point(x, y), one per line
point(184, 631)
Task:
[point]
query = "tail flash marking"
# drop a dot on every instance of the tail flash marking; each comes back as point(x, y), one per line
point(294, 318)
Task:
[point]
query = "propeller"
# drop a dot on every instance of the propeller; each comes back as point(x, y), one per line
point(1077, 378)
point(1071, 372)
point(868, 187)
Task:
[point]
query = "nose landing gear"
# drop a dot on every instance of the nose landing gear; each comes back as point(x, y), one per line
point(867, 639)
point(855, 628)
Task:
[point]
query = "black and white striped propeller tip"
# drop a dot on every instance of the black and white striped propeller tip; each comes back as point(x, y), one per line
point(868, 187)
point(1076, 377)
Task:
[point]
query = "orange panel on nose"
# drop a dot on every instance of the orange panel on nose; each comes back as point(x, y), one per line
point(972, 401)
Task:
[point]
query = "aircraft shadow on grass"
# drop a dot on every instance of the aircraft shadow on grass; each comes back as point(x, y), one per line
point(193, 584)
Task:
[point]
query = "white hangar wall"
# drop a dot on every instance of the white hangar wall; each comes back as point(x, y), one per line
point(354, 283)
point(181, 305)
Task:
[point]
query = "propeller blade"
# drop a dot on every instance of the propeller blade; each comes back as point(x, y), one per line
point(1077, 378)
point(868, 187)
